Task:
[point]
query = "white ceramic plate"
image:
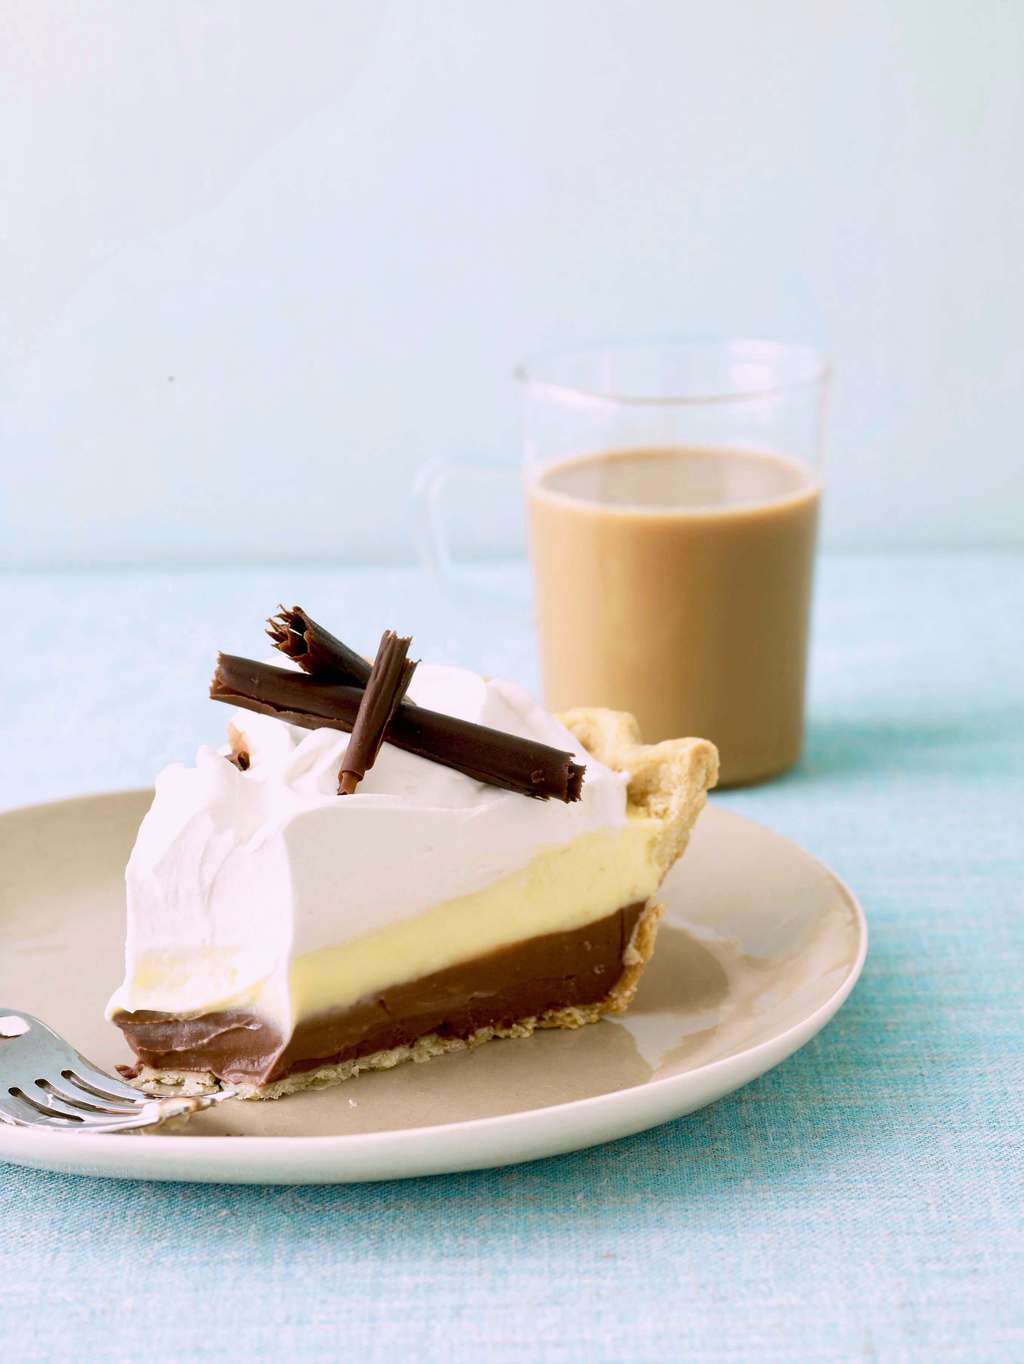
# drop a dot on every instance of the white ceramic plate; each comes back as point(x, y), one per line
point(760, 947)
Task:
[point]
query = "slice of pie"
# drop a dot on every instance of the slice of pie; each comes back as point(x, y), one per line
point(281, 936)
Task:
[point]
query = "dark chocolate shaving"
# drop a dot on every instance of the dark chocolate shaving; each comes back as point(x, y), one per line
point(315, 649)
point(488, 755)
point(388, 682)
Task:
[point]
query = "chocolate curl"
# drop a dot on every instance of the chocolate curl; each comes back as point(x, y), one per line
point(488, 755)
point(388, 682)
point(315, 649)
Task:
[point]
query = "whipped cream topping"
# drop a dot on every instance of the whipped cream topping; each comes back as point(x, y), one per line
point(236, 874)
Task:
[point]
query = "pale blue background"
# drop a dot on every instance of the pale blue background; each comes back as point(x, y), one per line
point(260, 260)
point(861, 1203)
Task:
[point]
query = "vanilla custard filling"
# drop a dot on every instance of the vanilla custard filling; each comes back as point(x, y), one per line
point(558, 891)
point(264, 890)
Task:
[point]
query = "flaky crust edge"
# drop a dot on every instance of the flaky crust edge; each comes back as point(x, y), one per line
point(668, 782)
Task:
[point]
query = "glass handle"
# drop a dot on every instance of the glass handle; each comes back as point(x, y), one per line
point(466, 585)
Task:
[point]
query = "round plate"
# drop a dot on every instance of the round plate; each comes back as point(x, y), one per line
point(760, 947)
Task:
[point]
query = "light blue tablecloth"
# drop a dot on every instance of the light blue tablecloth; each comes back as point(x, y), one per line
point(862, 1202)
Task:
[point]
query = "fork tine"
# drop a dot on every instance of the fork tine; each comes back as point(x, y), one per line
point(93, 1080)
point(86, 1102)
point(110, 1094)
point(46, 1098)
point(22, 1109)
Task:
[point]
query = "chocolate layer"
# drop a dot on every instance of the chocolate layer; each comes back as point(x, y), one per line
point(552, 971)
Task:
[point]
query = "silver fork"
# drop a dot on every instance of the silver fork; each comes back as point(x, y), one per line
point(45, 1082)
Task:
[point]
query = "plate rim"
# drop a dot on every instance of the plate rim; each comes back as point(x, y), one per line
point(49, 1150)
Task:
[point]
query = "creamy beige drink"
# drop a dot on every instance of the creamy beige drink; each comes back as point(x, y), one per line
point(676, 583)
